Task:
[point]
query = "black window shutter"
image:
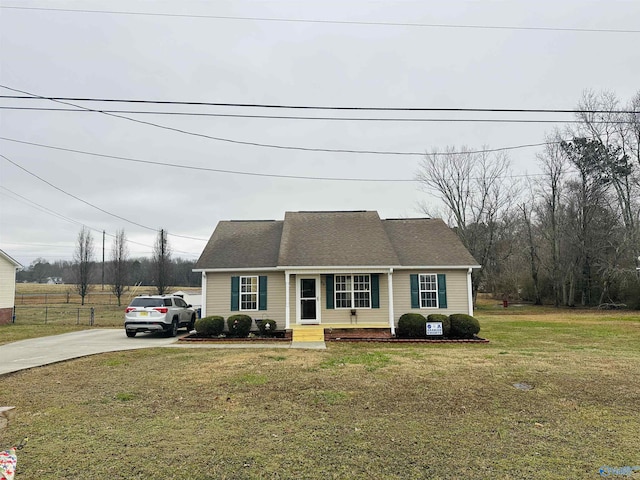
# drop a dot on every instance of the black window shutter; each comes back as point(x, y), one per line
point(262, 292)
point(415, 291)
point(329, 281)
point(375, 290)
point(235, 294)
point(442, 290)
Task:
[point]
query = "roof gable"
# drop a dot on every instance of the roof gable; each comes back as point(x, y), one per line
point(335, 239)
point(242, 244)
point(427, 242)
point(8, 258)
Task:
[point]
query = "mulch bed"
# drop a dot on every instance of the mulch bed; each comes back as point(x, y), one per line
point(384, 335)
point(334, 335)
point(286, 337)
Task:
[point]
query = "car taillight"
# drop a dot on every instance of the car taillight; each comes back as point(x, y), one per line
point(162, 309)
point(129, 309)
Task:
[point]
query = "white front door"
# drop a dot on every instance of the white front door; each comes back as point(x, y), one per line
point(308, 300)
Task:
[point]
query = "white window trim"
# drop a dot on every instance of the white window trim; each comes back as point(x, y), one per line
point(352, 291)
point(241, 293)
point(420, 291)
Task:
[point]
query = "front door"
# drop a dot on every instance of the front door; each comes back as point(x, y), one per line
point(309, 300)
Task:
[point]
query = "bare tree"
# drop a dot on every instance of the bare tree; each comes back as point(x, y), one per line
point(83, 263)
point(526, 209)
point(478, 193)
point(161, 262)
point(119, 265)
point(549, 192)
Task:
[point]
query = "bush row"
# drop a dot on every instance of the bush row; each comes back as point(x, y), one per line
point(458, 325)
point(238, 326)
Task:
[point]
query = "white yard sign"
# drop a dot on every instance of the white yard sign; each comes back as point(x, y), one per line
point(434, 328)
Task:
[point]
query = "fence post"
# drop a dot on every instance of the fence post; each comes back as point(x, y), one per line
point(46, 314)
point(13, 316)
point(92, 317)
point(78, 319)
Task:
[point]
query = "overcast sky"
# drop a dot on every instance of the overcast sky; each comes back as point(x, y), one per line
point(327, 53)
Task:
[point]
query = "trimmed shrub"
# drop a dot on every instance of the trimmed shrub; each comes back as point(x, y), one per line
point(463, 326)
point(210, 326)
point(412, 325)
point(267, 327)
point(239, 325)
point(446, 323)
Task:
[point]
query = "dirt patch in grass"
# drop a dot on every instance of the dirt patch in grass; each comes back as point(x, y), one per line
point(352, 411)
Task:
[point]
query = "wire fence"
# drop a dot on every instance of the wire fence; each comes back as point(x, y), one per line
point(62, 314)
point(68, 298)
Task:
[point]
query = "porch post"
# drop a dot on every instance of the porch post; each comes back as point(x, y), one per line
point(287, 300)
point(470, 291)
point(203, 301)
point(391, 312)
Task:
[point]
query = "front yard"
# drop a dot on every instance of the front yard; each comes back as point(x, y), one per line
point(553, 395)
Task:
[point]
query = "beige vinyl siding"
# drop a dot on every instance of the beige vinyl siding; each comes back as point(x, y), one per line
point(457, 293)
point(218, 299)
point(7, 283)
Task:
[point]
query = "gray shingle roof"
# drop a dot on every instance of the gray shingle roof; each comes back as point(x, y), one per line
point(242, 244)
point(332, 239)
point(427, 242)
point(335, 239)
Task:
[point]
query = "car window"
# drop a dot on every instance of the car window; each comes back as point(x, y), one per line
point(146, 302)
point(181, 303)
point(167, 302)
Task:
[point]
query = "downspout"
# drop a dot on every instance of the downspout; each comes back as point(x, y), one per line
point(287, 300)
point(470, 291)
point(203, 301)
point(391, 312)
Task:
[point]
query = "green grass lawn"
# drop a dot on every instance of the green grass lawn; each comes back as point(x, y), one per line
point(353, 411)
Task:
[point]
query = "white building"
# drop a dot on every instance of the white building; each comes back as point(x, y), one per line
point(8, 267)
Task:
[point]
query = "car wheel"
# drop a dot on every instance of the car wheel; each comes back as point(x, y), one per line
point(131, 333)
point(174, 328)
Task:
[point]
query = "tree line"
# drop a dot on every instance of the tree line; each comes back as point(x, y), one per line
point(119, 271)
point(569, 236)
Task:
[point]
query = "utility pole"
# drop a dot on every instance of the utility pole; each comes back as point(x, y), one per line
point(103, 234)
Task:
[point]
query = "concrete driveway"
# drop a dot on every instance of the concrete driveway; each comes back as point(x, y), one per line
point(42, 351)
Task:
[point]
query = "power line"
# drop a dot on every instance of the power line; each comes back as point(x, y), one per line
point(248, 143)
point(31, 96)
point(45, 209)
point(220, 139)
point(335, 22)
point(91, 204)
point(271, 175)
point(68, 219)
point(294, 117)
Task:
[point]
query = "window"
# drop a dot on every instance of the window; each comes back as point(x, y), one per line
point(248, 293)
point(428, 290)
point(353, 291)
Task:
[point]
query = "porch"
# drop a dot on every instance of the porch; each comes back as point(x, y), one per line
point(333, 331)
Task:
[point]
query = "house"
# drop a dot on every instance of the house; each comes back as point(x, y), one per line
point(8, 267)
point(335, 269)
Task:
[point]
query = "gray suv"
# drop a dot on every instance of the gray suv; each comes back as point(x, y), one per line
point(158, 313)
